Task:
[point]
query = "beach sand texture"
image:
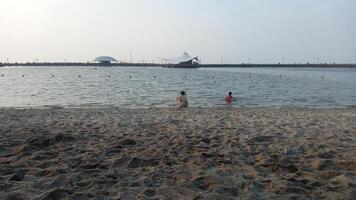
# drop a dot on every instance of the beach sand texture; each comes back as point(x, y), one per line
point(167, 153)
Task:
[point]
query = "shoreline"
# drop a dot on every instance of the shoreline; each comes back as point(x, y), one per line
point(170, 153)
point(220, 107)
point(185, 66)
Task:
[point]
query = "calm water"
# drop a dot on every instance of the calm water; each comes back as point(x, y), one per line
point(143, 87)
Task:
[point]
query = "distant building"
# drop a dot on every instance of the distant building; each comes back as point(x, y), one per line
point(105, 60)
point(184, 59)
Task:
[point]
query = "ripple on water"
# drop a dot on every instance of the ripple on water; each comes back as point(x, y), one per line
point(137, 87)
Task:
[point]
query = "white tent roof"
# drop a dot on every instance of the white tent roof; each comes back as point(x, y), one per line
point(105, 59)
point(183, 58)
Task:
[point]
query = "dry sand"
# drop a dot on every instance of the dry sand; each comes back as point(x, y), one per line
point(166, 153)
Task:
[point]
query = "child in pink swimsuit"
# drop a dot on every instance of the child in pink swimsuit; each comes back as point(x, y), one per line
point(228, 98)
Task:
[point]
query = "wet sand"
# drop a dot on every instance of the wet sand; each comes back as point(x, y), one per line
point(167, 153)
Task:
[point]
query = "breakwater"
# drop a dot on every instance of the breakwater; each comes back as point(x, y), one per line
point(283, 65)
point(66, 64)
point(77, 64)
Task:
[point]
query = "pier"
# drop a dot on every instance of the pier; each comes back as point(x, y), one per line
point(89, 64)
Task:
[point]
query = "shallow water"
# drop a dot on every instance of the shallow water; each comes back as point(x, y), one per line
point(146, 87)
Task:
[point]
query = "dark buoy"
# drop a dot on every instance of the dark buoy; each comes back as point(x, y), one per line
point(213, 76)
point(79, 76)
point(280, 76)
point(322, 76)
point(2, 75)
point(23, 75)
point(130, 76)
point(109, 76)
point(52, 76)
point(249, 76)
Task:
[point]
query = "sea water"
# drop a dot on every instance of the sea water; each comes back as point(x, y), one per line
point(158, 87)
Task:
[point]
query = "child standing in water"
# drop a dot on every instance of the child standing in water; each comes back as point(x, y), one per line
point(182, 100)
point(229, 98)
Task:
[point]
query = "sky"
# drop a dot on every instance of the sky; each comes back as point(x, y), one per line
point(218, 31)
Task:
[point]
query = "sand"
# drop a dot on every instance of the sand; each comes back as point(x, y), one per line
point(167, 153)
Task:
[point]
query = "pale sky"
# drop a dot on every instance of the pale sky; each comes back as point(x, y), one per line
point(263, 31)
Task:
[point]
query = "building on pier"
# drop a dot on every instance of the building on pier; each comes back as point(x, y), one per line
point(184, 59)
point(105, 60)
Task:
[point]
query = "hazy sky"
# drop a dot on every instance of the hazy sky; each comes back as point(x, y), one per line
point(263, 30)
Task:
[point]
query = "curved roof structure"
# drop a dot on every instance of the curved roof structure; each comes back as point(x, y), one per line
point(183, 58)
point(105, 59)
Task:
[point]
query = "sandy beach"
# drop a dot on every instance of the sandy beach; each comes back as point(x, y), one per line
point(167, 153)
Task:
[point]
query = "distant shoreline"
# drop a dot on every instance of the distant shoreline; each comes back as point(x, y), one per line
point(83, 64)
